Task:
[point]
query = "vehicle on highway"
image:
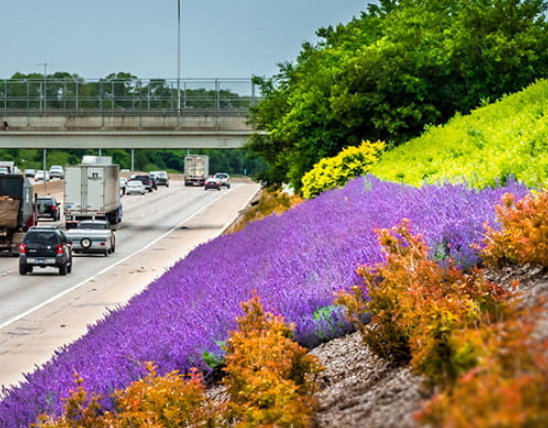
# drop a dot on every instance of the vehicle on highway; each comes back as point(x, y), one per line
point(135, 186)
point(92, 236)
point(41, 175)
point(45, 246)
point(17, 211)
point(47, 206)
point(212, 183)
point(145, 179)
point(195, 169)
point(29, 173)
point(56, 171)
point(225, 179)
point(92, 191)
point(161, 177)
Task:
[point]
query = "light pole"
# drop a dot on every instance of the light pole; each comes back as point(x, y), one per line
point(45, 64)
point(178, 57)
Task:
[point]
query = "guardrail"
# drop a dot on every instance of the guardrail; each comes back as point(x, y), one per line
point(62, 96)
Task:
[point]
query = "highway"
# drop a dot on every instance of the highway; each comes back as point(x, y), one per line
point(42, 311)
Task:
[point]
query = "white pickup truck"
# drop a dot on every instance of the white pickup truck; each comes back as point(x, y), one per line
point(92, 236)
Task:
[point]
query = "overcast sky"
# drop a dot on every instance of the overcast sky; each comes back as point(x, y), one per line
point(219, 38)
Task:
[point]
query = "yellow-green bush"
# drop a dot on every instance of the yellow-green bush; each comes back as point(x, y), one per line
point(330, 173)
point(508, 138)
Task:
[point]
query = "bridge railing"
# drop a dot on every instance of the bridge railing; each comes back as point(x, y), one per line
point(52, 96)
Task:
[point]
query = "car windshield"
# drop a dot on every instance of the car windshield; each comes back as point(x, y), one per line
point(43, 238)
point(94, 226)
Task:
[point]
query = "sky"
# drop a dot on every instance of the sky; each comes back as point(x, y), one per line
point(219, 38)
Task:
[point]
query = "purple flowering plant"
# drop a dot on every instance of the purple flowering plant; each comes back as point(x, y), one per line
point(295, 262)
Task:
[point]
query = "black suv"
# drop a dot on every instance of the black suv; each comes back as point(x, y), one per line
point(47, 206)
point(149, 183)
point(45, 246)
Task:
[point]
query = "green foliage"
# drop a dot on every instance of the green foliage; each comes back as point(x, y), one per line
point(269, 377)
point(390, 72)
point(336, 171)
point(495, 142)
point(523, 237)
point(422, 313)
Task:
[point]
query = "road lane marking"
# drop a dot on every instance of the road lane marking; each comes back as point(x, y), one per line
point(92, 278)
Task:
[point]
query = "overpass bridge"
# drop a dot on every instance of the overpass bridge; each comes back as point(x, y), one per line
point(61, 113)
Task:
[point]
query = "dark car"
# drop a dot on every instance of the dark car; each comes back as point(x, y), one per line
point(161, 177)
point(47, 206)
point(146, 180)
point(212, 183)
point(45, 246)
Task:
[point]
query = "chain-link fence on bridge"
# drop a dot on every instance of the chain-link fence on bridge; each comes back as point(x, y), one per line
point(52, 96)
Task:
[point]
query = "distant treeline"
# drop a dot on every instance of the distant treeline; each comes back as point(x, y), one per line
point(233, 161)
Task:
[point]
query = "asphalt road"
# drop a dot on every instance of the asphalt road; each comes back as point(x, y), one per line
point(42, 311)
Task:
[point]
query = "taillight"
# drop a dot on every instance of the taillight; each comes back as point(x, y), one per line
point(22, 248)
point(59, 249)
point(53, 207)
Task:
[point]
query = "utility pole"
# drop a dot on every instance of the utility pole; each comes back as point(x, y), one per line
point(178, 57)
point(45, 95)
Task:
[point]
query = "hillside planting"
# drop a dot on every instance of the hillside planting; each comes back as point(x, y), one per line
point(295, 262)
point(505, 139)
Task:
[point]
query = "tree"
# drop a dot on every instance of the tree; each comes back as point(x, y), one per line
point(387, 74)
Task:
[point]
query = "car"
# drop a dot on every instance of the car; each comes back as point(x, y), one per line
point(145, 179)
point(123, 184)
point(225, 179)
point(47, 206)
point(161, 177)
point(29, 173)
point(45, 246)
point(41, 175)
point(212, 183)
point(56, 171)
point(4, 170)
point(135, 186)
point(92, 236)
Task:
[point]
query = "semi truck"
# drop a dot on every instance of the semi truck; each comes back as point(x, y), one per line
point(17, 211)
point(91, 192)
point(196, 169)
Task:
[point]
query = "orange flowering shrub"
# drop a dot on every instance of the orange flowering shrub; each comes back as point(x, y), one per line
point(523, 237)
point(269, 377)
point(80, 411)
point(423, 313)
point(168, 401)
point(507, 389)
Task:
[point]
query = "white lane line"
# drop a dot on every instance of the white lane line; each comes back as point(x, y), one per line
point(75, 287)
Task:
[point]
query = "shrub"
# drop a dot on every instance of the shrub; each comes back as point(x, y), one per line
point(350, 163)
point(421, 312)
point(270, 378)
point(523, 237)
point(507, 389)
point(188, 310)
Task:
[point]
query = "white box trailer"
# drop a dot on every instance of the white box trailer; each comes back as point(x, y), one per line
point(196, 169)
point(91, 191)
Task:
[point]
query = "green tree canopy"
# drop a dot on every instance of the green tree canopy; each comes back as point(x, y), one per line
point(387, 74)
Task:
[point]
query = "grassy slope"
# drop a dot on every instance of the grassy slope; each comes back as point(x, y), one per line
point(508, 137)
